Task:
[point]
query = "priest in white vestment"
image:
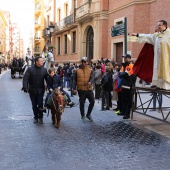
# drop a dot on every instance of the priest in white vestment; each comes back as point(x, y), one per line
point(161, 44)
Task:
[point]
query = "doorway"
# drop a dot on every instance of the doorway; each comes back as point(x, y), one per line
point(119, 52)
point(89, 43)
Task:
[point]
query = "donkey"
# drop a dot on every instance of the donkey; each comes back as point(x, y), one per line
point(57, 107)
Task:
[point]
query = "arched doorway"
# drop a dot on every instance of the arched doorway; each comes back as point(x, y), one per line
point(89, 43)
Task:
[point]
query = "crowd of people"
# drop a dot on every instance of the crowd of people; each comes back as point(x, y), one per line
point(3, 66)
point(90, 80)
point(103, 76)
point(104, 79)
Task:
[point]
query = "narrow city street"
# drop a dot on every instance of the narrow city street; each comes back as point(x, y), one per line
point(108, 143)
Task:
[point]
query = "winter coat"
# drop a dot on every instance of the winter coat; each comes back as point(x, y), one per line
point(54, 82)
point(82, 77)
point(105, 82)
point(97, 76)
point(127, 76)
point(33, 79)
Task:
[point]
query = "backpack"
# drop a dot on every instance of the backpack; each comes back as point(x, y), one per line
point(117, 85)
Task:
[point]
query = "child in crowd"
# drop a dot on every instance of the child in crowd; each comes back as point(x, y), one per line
point(118, 89)
point(53, 82)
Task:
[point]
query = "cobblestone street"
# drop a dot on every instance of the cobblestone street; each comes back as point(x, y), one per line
point(108, 143)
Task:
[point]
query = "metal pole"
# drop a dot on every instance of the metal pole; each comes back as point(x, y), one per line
point(71, 87)
point(50, 37)
point(125, 35)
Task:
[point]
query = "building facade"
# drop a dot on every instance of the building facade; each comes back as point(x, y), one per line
point(65, 35)
point(38, 27)
point(92, 20)
point(83, 27)
point(7, 53)
point(142, 17)
point(3, 36)
point(49, 20)
point(16, 40)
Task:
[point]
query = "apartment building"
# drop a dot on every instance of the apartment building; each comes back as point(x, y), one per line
point(92, 19)
point(7, 53)
point(81, 29)
point(49, 20)
point(38, 27)
point(3, 36)
point(65, 33)
point(16, 40)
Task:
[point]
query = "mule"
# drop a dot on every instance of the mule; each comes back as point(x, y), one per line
point(57, 107)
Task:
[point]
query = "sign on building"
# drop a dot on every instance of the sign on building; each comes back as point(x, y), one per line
point(118, 30)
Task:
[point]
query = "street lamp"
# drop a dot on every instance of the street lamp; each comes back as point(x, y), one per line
point(50, 30)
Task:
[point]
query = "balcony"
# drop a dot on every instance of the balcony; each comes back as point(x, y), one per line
point(66, 22)
point(85, 11)
point(37, 40)
point(37, 9)
point(37, 51)
point(37, 36)
point(38, 25)
point(38, 22)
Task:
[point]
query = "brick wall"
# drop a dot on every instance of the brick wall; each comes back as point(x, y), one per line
point(104, 5)
point(141, 18)
point(104, 38)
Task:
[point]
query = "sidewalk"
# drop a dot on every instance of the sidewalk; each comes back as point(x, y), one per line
point(3, 72)
point(139, 120)
point(152, 124)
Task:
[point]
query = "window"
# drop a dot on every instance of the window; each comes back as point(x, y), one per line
point(65, 47)
point(58, 45)
point(48, 19)
point(58, 15)
point(75, 3)
point(66, 10)
point(119, 22)
point(74, 42)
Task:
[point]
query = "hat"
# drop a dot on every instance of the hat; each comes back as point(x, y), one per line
point(84, 59)
point(107, 68)
point(127, 56)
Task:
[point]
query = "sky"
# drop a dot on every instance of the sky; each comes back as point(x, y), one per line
point(22, 13)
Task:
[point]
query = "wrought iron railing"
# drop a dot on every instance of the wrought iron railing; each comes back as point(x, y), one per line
point(37, 36)
point(37, 49)
point(64, 23)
